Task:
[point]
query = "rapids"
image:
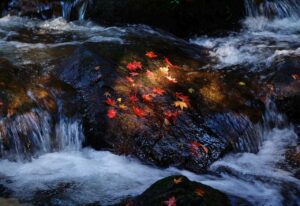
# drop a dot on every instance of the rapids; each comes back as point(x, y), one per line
point(58, 160)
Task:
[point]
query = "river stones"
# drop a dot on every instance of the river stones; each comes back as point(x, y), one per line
point(178, 190)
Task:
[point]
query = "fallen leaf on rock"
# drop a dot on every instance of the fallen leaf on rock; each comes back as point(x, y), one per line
point(110, 102)
point(134, 74)
point(242, 83)
point(147, 97)
point(139, 112)
point(171, 116)
point(112, 113)
point(296, 76)
point(171, 79)
point(133, 99)
point(135, 65)
point(159, 91)
point(196, 145)
point(123, 107)
point(151, 55)
point(170, 202)
point(107, 94)
point(164, 70)
point(130, 79)
point(191, 90)
point(180, 104)
point(199, 192)
point(178, 180)
point(168, 62)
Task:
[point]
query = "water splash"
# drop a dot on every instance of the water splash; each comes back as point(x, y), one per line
point(273, 8)
point(31, 134)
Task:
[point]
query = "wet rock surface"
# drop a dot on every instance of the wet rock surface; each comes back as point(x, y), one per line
point(178, 190)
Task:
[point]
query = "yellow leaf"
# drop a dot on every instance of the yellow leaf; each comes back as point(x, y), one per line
point(164, 70)
point(119, 99)
point(191, 90)
point(180, 104)
point(242, 83)
point(122, 106)
point(178, 181)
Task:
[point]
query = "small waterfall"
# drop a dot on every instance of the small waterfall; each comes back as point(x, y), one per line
point(80, 6)
point(36, 132)
point(273, 8)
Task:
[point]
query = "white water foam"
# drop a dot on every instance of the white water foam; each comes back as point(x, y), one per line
point(260, 40)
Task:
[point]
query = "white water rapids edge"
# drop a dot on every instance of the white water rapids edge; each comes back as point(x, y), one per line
point(105, 177)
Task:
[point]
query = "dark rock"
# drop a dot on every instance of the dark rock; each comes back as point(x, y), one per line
point(187, 142)
point(187, 18)
point(185, 192)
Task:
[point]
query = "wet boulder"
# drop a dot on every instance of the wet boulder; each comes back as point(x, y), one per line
point(178, 190)
point(137, 102)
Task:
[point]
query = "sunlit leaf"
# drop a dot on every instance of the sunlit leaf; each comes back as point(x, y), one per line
point(159, 91)
point(123, 107)
point(171, 79)
point(191, 90)
point(178, 180)
point(296, 76)
point(148, 97)
point(151, 55)
point(110, 102)
point(119, 99)
point(139, 112)
point(180, 104)
point(242, 83)
point(164, 70)
point(135, 65)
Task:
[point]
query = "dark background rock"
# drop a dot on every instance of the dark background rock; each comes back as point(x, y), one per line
point(186, 193)
point(187, 18)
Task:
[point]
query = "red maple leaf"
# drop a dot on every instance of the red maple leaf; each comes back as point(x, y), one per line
point(139, 112)
point(110, 102)
point(133, 99)
point(133, 66)
point(130, 79)
point(168, 62)
point(151, 55)
point(170, 202)
point(112, 113)
point(159, 91)
point(171, 116)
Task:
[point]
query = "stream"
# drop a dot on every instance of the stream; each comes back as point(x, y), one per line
point(42, 116)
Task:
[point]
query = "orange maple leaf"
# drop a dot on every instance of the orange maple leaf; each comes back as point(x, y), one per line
point(110, 102)
point(151, 54)
point(159, 91)
point(147, 97)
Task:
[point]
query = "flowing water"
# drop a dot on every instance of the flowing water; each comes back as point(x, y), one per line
point(58, 162)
